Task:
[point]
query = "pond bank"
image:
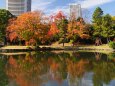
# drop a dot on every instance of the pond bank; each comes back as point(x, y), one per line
point(58, 47)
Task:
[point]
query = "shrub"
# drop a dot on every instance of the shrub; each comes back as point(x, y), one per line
point(111, 55)
point(71, 41)
point(37, 47)
point(28, 47)
point(112, 44)
point(63, 40)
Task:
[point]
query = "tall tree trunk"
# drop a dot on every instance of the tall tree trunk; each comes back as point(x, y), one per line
point(108, 40)
point(100, 41)
point(63, 44)
point(4, 41)
point(73, 44)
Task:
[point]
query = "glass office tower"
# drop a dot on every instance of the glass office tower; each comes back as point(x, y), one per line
point(17, 7)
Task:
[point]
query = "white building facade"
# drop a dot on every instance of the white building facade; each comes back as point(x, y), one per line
point(75, 11)
point(17, 7)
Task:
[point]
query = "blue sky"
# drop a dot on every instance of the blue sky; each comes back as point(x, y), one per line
point(52, 6)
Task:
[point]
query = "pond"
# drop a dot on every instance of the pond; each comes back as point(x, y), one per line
point(57, 68)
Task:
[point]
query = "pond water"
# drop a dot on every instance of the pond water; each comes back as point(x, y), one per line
point(57, 68)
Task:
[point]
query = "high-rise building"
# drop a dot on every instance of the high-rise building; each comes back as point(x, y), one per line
point(75, 11)
point(17, 7)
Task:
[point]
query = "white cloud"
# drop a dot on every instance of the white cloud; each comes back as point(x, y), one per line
point(64, 9)
point(92, 3)
point(41, 4)
point(44, 4)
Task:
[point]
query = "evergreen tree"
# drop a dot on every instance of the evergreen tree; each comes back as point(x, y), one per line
point(97, 20)
point(97, 24)
point(107, 29)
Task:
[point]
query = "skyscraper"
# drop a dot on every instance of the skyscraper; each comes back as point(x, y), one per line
point(75, 11)
point(17, 7)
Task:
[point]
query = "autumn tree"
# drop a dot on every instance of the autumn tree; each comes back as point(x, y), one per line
point(59, 26)
point(53, 31)
point(78, 29)
point(29, 27)
point(72, 31)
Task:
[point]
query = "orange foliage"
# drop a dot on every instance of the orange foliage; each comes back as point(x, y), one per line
point(53, 30)
point(10, 32)
point(22, 69)
point(12, 61)
point(54, 66)
point(17, 71)
point(79, 28)
point(77, 68)
point(59, 16)
point(29, 27)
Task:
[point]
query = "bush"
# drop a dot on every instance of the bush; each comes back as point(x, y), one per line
point(111, 55)
point(63, 40)
point(37, 47)
point(112, 44)
point(71, 41)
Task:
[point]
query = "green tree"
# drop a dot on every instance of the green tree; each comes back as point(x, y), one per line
point(113, 21)
point(5, 15)
point(103, 73)
point(3, 76)
point(62, 25)
point(107, 29)
point(97, 21)
point(97, 16)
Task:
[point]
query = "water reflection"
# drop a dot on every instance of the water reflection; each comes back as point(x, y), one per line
point(57, 69)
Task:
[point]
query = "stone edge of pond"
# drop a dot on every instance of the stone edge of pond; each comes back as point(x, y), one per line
point(54, 48)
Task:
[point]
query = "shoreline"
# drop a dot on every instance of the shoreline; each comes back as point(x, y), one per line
point(51, 48)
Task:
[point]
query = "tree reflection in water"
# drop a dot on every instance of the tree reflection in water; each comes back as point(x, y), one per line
point(98, 55)
point(65, 69)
